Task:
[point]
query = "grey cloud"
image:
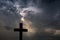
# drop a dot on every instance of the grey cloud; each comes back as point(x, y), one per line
point(48, 18)
point(8, 15)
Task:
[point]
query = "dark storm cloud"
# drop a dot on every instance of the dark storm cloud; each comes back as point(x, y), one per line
point(9, 19)
point(48, 18)
point(8, 15)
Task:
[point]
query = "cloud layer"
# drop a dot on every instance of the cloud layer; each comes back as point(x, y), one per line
point(43, 14)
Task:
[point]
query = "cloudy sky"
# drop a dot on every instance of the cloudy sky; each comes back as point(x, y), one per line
point(40, 17)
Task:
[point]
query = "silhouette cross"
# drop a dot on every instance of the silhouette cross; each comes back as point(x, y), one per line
point(21, 30)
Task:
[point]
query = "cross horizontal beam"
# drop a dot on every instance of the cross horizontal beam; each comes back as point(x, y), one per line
point(16, 29)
